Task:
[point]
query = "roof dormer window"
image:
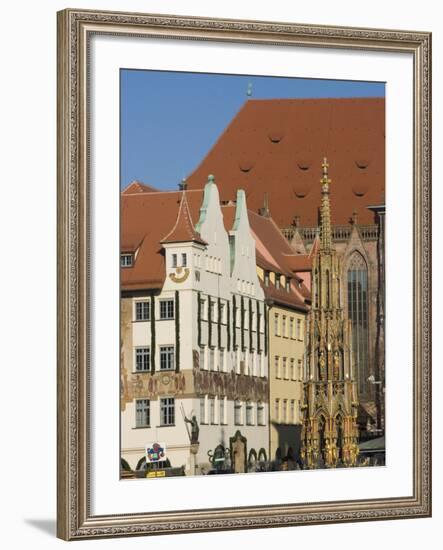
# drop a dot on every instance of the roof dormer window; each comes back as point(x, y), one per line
point(126, 260)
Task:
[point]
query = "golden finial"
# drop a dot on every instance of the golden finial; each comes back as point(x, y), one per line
point(325, 166)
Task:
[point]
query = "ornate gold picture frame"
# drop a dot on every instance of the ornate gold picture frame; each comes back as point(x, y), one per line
point(76, 518)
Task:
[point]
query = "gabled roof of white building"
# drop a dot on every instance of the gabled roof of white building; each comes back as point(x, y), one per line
point(149, 220)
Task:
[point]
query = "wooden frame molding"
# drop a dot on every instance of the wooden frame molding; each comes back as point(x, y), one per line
point(75, 27)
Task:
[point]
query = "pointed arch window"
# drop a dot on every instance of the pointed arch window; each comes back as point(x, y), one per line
point(358, 314)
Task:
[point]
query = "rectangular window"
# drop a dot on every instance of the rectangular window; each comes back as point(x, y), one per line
point(293, 377)
point(266, 278)
point(142, 359)
point(174, 260)
point(166, 309)
point(212, 310)
point(277, 281)
point(202, 410)
point(276, 325)
point(211, 359)
point(142, 311)
point(300, 370)
point(283, 326)
point(262, 365)
point(292, 418)
point(238, 420)
point(126, 260)
point(142, 413)
point(260, 414)
point(167, 411)
point(277, 366)
point(212, 410)
point(249, 414)
point(285, 368)
point(167, 358)
point(277, 410)
point(291, 328)
point(223, 401)
point(285, 411)
point(184, 260)
point(221, 360)
point(203, 309)
point(222, 313)
point(299, 329)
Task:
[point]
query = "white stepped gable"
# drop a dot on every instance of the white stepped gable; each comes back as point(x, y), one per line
point(212, 230)
point(244, 272)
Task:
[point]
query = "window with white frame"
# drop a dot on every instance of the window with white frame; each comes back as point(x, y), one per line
point(174, 260)
point(277, 410)
point(293, 374)
point(299, 329)
point(166, 309)
point(277, 280)
point(203, 419)
point(223, 409)
point(142, 413)
point(300, 370)
point(249, 413)
point(167, 411)
point(285, 411)
point(142, 359)
point(212, 410)
point(167, 357)
point(260, 414)
point(262, 364)
point(142, 311)
point(276, 324)
point(220, 360)
point(291, 328)
point(203, 309)
point(238, 416)
point(285, 368)
point(126, 260)
point(292, 417)
point(222, 313)
point(212, 310)
point(277, 366)
point(211, 359)
point(283, 326)
point(238, 360)
point(266, 278)
point(184, 260)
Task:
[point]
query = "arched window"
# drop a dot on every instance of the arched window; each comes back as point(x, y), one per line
point(358, 314)
point(321, 437)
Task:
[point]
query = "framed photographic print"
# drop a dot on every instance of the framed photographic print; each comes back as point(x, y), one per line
point(244, 274)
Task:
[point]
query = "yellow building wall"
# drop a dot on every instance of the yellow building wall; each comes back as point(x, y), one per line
point(286, 353)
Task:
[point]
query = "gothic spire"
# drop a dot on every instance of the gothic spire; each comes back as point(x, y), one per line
point(325, 210)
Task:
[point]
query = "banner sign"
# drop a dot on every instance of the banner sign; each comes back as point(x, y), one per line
point(155, 452)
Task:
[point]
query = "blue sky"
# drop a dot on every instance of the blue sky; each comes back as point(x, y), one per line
point(170, 120)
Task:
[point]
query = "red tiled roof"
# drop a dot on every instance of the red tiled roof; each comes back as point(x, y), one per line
point(148, 217)
point(277, 146)
point(146, 222)
point(183, 230)
point(138, 187)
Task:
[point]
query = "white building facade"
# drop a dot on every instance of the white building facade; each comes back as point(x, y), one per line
point(197, 347)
